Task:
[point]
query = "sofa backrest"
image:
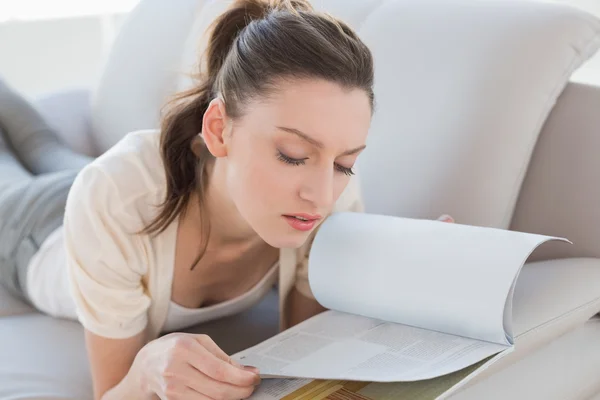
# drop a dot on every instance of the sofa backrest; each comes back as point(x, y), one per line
point(462, 88)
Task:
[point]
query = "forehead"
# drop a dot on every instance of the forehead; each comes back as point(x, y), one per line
point(337, 116)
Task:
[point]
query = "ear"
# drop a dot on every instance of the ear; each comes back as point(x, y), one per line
point(215, 129)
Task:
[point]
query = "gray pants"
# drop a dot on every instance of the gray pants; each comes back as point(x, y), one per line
point(36, 173)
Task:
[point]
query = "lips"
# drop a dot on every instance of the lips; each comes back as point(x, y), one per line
point(305, 217)
point(302, 222)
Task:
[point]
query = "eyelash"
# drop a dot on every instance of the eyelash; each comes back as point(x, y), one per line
point(300, 161)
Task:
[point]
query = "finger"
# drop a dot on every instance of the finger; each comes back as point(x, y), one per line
point(446, 218)
point(201, 383)
point(191, 394)
point(212, 347)
point(182, 391)
point(250, 368)
point(220, 370)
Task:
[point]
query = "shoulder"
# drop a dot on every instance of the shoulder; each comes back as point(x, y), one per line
point(128, 179)
point(135, 159)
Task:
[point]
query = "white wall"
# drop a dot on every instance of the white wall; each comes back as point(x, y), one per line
point(39, 56)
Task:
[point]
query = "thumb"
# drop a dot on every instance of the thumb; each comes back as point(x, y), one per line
point(215, 350)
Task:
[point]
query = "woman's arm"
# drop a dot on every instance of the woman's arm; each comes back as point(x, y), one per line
point(175, 366)
point(110, 363)
point(301, 308)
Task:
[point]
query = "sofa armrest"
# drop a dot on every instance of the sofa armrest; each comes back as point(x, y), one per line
point(560, 195)
point(69, 113)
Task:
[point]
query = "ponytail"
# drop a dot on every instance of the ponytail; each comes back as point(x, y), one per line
point(184, 154)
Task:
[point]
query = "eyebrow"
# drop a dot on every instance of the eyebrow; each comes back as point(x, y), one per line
point(315, 142)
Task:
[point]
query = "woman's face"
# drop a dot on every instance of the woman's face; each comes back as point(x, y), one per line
point(289, 157)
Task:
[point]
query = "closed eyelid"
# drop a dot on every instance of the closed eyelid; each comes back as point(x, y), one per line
point(353, 151)
point(314, 142)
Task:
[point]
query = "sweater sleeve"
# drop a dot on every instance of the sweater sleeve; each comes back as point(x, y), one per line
point(104, 260)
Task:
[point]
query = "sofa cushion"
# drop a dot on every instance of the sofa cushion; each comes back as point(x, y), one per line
point(566, 368)
point(68, 112)
point(462, 90)
point(9, 305)
point(560, 194)
point(43, 358)
point(141, 69)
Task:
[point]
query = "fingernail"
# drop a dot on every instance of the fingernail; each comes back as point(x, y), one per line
point(255, 371)
point(251, 369)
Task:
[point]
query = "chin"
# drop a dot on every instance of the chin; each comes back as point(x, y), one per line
point(286, 240)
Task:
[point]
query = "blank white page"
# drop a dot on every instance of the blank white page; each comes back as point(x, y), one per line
point(450, 278)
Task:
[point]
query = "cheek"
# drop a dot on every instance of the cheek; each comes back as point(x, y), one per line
point(340, 183)
point(261, 183)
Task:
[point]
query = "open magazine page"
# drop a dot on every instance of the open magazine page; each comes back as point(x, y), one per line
point(335, 345)
point(449, 278)
point(305, 389)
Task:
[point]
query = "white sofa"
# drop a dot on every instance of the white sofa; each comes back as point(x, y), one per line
point(471, 120)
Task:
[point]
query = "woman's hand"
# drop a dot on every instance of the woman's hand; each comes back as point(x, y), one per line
point(183, 366)
point(446, 218)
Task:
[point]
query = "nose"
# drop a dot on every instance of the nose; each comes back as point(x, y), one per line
point(318, 189)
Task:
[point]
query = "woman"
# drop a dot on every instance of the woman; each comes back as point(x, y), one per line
point(254, 157)
point(195, 221)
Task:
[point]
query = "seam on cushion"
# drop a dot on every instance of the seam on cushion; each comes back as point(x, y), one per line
point(518, 185)
point(561, 317)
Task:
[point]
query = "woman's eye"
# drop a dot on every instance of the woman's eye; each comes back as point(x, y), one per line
point(344, 170)
point(302, 161)
point(290, 160)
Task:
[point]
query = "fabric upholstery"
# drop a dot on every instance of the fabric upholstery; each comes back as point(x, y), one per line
point(461, 99)
point(561, 192)
point(543, 376)
point(141, 69)
point(68, 112)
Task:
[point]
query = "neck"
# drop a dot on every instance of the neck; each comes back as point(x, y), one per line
point(226, 224)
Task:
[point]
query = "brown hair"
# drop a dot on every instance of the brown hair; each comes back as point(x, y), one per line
point(251, 46)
